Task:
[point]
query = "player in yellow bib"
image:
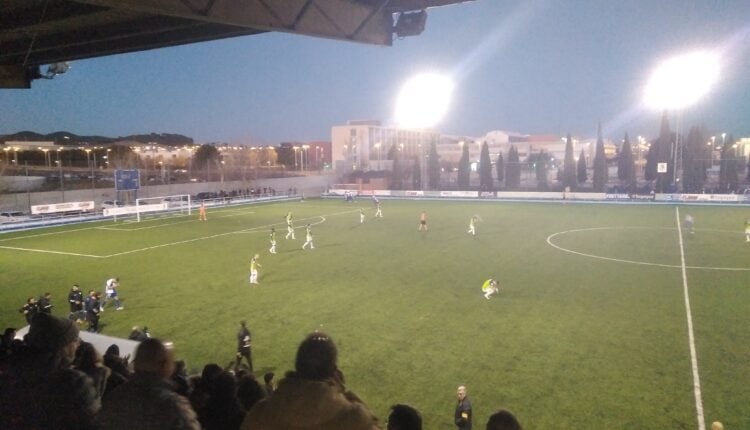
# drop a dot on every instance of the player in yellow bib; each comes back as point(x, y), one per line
point(472, 228)
point(489, 288)
point(289, 226)
point(309, 238)
point(254, 266)
point(272, 239)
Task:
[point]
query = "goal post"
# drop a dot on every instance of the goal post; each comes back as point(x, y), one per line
point(179, 204)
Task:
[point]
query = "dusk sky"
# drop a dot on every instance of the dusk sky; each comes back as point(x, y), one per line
point(533, 67)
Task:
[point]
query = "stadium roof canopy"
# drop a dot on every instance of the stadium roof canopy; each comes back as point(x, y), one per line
point(34, 33)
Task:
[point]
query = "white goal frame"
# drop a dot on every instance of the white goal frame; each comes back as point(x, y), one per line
point(176, 203)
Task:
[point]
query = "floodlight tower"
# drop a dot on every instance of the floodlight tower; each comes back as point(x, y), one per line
point(678, 83)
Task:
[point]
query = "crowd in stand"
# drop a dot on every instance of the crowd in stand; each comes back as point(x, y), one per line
point(51, 379)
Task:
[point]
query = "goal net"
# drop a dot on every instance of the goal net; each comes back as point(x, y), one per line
point(162, 206)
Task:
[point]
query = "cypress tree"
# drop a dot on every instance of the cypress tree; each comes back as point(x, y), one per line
point(397, 174)
point(541, 168)
point(600, 165)
point(433, 168)
point(416, 175)
point(582, 174)
point(464, 175)
point(570, 178)
point(513, 174)
point(728, 170)
point(626, 166)
point(500, 167)
point(485, 169)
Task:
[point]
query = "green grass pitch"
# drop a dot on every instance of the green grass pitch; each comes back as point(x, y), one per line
point(589, 333)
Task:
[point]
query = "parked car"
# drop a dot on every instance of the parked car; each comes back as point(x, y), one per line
point(109, 204)
point(205, 195)
point(13, 216)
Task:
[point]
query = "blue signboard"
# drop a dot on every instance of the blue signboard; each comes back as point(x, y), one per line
point(127, 180)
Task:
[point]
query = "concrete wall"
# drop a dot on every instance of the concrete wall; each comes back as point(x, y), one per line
point(312, 185)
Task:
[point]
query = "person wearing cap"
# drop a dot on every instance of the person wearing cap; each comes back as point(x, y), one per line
point(147, 401)
point(40, 390)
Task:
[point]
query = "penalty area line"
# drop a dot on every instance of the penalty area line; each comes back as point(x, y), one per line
point(691, 335)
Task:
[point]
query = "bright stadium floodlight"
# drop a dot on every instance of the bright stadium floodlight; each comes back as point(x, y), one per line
point(423, 100)
point(681, 81)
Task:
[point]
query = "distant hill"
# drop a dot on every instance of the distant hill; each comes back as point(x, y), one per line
point(67, 138)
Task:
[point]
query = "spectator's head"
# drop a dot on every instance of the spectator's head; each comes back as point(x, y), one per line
point(47, 295)
point(404, 417)
point(152, 356)
point(268, 377)
point(75, 287)
point(243, 323)
point(9, 334)
point(179, 367)
point(52, 334)
point(716, 425)
point(461, 392)
point(316, 357)
point(86, 356)
point(503, 420)
point(113, 350)
point(224, 386)
point(249, 391)
point(210, 371)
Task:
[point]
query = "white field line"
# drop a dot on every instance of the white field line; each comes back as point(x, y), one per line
point(167, 224)
point(51, 252)
point(691, 336)
point(252, 229)
point(47, 234)
point(248, 230)
point(643, 263)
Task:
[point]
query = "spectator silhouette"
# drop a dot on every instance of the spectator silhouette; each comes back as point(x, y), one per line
point(202, 389)
point(147, 400)
point(40, 390)
point(180, 379)
point(404, 417)
point(312, 397)
point(268, 383)
point(223, 410)
point(5, 343)
point(89, 362)
point(249, 391)
point(503, 420)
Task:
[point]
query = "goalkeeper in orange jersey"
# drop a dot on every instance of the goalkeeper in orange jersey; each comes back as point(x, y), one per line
point(202, 213)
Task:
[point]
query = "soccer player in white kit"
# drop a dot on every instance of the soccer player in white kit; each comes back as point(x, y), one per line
point(361, 215)
point(689, 222)
point(110, 292)
point(378, 212)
